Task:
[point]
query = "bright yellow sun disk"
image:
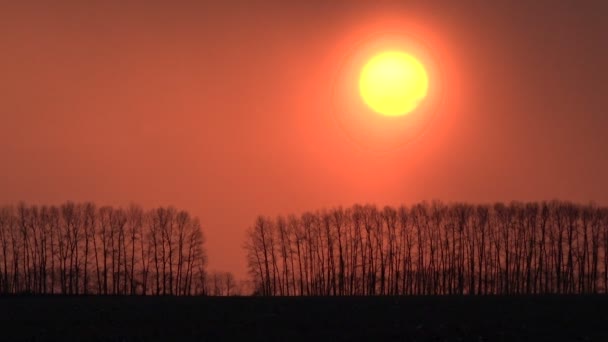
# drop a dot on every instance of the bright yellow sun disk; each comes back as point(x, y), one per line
point(393, 83)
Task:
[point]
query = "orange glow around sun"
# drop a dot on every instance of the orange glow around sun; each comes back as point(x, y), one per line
point(393, 83)
point(387, 90)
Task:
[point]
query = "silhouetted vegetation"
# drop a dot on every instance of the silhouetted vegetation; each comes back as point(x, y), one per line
point(223, 284)
point(433, 249)
point(81, 249)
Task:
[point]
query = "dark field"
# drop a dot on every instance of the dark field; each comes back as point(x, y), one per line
point(563, 318)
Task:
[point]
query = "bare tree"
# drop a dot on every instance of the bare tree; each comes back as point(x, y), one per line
point(77, 248)
point(515, 248)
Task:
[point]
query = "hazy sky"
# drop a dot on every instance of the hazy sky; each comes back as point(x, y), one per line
point(226, 110)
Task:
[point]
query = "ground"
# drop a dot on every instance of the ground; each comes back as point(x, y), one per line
point(546, 318)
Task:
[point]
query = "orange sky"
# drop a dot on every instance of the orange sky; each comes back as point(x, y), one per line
point(226, 110)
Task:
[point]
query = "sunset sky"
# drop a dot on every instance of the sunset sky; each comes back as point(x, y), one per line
point(229, 111)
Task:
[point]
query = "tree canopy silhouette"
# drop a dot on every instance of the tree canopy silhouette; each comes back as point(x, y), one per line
point(81, 249)
point(433, 249)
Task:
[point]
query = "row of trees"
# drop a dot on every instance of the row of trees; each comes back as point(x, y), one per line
point(225, 284)
point(433, 248)
point(82, 249)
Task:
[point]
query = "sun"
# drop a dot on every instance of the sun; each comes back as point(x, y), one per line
point(393, 83)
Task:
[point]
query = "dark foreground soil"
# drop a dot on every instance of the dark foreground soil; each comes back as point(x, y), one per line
point(555, 318)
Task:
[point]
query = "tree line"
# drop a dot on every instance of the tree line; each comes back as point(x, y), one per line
point(84, 249)
point(432, 249)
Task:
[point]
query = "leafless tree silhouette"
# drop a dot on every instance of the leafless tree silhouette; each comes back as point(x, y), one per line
point(222, 284)
point(433, 249)
point(81, 249)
